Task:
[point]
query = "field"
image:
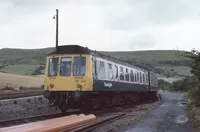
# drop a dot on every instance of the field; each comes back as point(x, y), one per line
point(20, 69)
point(181, 70)
point(17, 82)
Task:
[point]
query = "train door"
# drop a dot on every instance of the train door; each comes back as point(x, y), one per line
point(94, 72)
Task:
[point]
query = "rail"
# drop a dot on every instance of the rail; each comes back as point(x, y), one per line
point(21, 94)
point(94, 124)
point(72, 123)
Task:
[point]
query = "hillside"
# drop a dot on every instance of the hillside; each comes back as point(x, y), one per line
point(166, 63)
point(154, 57)
point(23, 56)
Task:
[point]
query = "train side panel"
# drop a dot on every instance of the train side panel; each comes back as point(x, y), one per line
point(110, 76)
point(153, 82)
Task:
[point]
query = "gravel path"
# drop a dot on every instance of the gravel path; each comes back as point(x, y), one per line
point(23, 108)
point(133, 114)
point(169, 117)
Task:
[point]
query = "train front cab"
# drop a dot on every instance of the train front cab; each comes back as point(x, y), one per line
point(68, 73)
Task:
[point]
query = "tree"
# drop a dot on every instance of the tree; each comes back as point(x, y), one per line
point(194, 93)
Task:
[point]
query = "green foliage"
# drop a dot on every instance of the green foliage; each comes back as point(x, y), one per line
point(195, 56)
point(38, 71)
point(24, 56)
point(21, 69)
point(194, 96)
point(186, 84)
point(151, 55)
point(164, 85)
point(194, 91)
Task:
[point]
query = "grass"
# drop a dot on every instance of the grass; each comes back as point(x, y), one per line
point(151, 55)
point(21, 69)
point(19, 82)
point(194, 113)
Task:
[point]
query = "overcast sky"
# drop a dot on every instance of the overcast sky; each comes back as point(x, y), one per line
point(101, 24)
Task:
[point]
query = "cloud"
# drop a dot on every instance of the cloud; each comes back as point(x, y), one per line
point(101, 25)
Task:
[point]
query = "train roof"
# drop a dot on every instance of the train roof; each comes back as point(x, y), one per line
point(72, 49)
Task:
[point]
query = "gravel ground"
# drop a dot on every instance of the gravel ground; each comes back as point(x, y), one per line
point(21, 110)
point(133, 114)
point(24, 109)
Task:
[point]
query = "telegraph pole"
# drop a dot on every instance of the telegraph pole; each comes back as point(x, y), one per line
point(56, 30)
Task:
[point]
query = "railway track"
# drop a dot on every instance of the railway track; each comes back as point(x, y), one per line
point(83, 127)
point(71, 123)
point(21, 94)
point(89, 126)
point(109, 109)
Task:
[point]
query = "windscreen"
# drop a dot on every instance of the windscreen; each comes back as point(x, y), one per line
point(65, 66)
point(79, 66)
point(53, 67)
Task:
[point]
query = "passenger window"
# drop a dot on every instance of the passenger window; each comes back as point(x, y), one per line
point(147, 78)
point(102, 72)
point(65, 66)
point(116, 71)
point(140, 77)
point(127, 74)
point(143, 78)
point(135, 77)
point(110, 71)
point(121, 73)
point(132, 76)
point(109, 66)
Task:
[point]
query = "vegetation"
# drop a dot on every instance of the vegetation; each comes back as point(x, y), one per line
point(191, 85)
point(194, 92)
point(21, 69)
point(38, 71)
point(185, 84)
point(164, 85)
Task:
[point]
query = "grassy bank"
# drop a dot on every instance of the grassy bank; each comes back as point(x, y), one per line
point(194, 113)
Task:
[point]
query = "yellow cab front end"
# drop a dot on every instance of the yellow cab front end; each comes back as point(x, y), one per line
point(68, 72)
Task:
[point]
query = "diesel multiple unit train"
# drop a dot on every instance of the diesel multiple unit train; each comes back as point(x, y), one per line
point(80, 78)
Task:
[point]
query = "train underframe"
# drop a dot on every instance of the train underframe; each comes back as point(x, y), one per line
point(87, 101)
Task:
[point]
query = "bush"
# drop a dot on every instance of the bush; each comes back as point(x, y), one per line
point(193, 96)
point(194, 91)
point(38, 70)
point(164, 85)
point(186, 84)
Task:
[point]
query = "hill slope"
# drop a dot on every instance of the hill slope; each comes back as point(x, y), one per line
point(23, 56)
point(26, 62)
